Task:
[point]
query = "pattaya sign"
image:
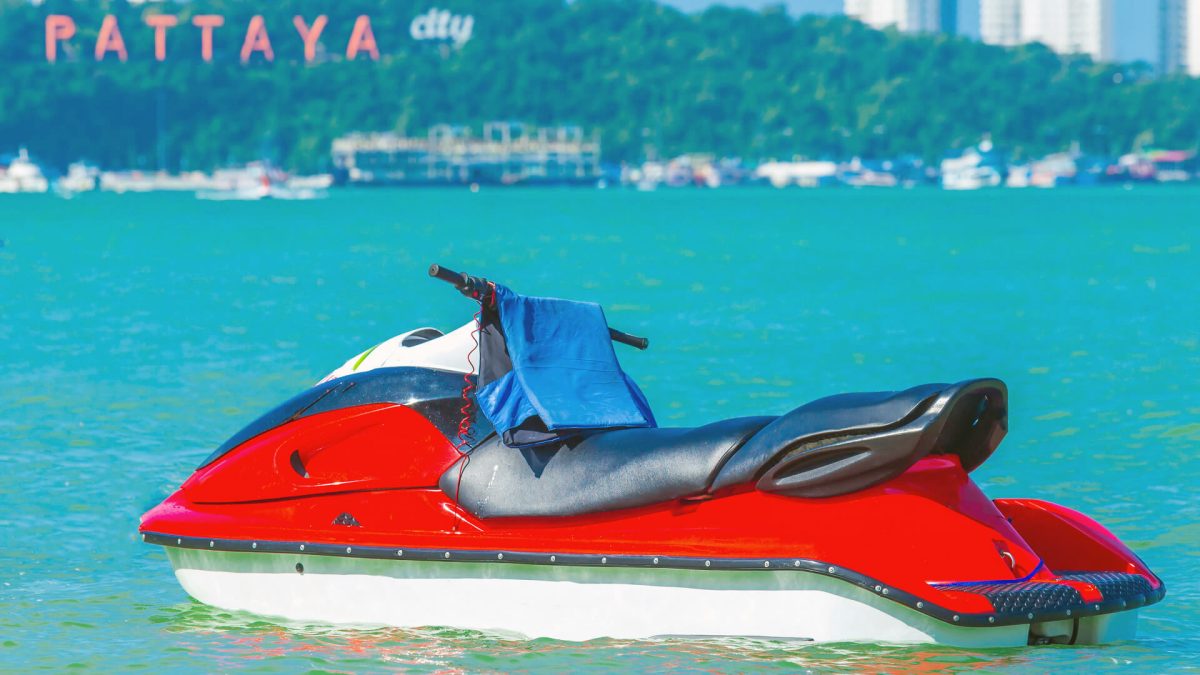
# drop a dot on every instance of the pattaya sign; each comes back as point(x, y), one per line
point(436, 24)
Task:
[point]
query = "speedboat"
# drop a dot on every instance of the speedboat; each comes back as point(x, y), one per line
point(399, 491)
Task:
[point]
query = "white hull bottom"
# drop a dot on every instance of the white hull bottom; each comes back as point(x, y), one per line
point(584, 603)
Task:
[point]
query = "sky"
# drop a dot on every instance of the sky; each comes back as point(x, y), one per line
point(1136, 20)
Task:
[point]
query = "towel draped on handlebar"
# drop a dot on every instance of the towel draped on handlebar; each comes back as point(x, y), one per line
point(548, 371)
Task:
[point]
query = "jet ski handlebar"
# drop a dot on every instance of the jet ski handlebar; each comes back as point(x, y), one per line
point(476, 289)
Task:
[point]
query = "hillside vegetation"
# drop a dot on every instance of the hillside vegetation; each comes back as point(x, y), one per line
point(650, 79)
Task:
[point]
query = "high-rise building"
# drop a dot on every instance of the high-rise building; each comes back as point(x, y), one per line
point(1070, 26)
point(1179, 36)
point(909, 16)
point(1000, 22)
point(1066, 26)
point(1192, 37)
point(1172, 36)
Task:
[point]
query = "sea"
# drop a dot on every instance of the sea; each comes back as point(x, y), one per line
point(138, 332)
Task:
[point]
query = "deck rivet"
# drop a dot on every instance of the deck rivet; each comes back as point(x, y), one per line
point(499, 556)
point(766, 563)
point(956, 618)
point(179, 541)
point(1068, 612)
point(1096, 607)
point(301, 547)
point(878, 588)
point(604, 561)
point(211, 544)
point(400, 553)
point(553, 558)
point(708, 563)
point(991, 619)
point(832, 570)
point(447, 555)
point(795, 563)
point(347, 549)
point(1030, 615)
point(885, 591)
point(920, 605)
point(1123, 603)
point(254, 545)
point(656, 561)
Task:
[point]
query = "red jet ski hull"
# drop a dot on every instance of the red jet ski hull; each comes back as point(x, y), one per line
point(338, 517)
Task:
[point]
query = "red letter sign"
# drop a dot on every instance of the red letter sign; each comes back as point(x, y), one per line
point(206, 23)
point(257, 40)
point(58, 27)
point(160, 23)
point(362, 39)
point(109, 39)
point(310, 35)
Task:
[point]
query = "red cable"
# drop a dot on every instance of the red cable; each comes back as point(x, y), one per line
point(463, 439)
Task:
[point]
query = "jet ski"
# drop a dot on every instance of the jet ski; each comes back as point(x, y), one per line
point(399, 491)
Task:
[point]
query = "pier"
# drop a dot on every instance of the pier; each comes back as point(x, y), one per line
point(507, 153)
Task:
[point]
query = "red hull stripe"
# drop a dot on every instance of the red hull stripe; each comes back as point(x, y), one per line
point(1066, 611)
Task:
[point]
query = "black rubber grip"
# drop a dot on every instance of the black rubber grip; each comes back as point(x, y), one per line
point(627, 339)
point(448, 275)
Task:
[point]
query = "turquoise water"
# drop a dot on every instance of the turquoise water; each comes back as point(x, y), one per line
point(138, 332)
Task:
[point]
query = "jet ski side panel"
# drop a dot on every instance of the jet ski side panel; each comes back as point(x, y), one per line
point(365, 447)
point(436, 394)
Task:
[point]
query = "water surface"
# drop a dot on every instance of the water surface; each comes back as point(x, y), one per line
point(138, 332)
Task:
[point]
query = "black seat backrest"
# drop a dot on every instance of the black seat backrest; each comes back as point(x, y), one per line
point(842, 444)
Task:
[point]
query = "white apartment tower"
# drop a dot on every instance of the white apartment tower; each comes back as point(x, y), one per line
point(1070, 26)
point(1179, 36)
point(1172, 36)
point(1000, 22)
point(909, 16)
point(1193, 37)
point(1066, 26)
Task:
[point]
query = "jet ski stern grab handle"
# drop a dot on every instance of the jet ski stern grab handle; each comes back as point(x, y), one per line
point(476, 289)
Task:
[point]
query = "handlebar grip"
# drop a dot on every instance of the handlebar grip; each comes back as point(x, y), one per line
point(475, 288)
point(627, 339)
point(472, 287)
point(448, 275)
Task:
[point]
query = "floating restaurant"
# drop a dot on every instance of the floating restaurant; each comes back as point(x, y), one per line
point(507, 153)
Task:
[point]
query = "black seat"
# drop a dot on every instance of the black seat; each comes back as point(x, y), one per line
point(832, 446)
point(600, 472)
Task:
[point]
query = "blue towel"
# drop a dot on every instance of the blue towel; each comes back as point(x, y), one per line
point(561, 376)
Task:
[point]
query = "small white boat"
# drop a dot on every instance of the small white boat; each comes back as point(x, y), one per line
point(22, 175)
